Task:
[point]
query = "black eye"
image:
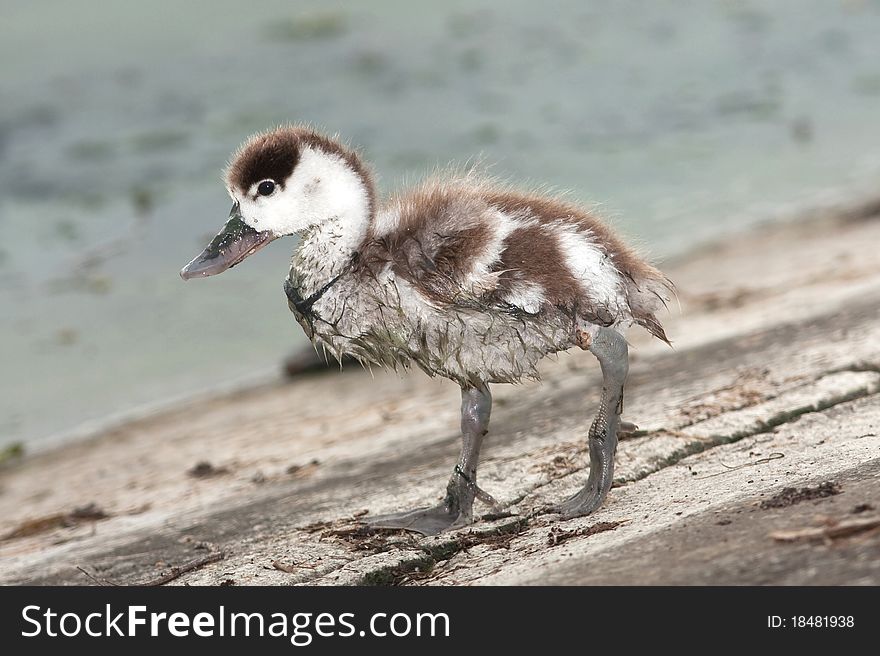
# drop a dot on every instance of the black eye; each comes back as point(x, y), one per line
point(266, 188)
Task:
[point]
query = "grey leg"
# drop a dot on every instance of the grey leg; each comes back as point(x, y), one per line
point(457, 508)
point(609, 347)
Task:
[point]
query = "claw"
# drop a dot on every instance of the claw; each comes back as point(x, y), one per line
point(627, 429)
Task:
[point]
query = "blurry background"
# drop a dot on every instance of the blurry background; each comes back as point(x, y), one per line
point(685, 120)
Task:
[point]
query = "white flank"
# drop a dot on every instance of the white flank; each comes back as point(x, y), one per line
point(526, 295)
point(590, 265)
point(481, 277)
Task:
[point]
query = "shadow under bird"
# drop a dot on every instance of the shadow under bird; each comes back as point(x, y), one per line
point(468, 279)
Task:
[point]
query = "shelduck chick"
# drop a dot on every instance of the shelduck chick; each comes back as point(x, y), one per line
point(466, 279)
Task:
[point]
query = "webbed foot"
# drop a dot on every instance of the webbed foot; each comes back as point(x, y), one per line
point(580, 504)
point(457, 507)
point(427, 521)
point(456, 510)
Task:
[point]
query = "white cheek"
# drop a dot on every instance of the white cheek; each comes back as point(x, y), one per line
point(280, 212)
point(275, 213)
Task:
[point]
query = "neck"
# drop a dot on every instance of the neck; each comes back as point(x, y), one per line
point(336, 208)
point(325, 250)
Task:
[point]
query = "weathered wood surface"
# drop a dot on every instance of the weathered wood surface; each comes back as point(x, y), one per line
point(774, 382)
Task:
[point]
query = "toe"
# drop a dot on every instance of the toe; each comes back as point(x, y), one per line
point(427, 521)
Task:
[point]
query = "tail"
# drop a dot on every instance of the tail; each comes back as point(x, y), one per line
point(648, 292)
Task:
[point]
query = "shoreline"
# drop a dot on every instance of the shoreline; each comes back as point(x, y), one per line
point(835, 207)
point(92, 429)
point(776, 341)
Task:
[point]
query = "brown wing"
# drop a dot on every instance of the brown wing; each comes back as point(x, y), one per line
point(438, 244)
point(447, 245)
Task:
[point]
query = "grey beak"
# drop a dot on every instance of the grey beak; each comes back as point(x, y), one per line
point(232, 244)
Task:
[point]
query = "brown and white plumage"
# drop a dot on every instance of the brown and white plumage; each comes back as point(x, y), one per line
point(468, 279)
point(473, 281)
point(515, 252)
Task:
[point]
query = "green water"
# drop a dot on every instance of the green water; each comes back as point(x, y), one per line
point(684, 120)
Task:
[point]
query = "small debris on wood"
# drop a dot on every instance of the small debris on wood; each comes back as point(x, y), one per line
point(362, 537)
point(316, 527)
point(205, 469)
point(560, 465)
point(832, 530)
point(180, 570)
point(499, 538)
point(138, 510)
point(862, 507)
point(289, 569)
point(303, 470)
point(790, 495)
point(753, 463)
point(206, 546)
point(79, 515)
point(94, 579)
point(225, 583)
point(558, 535)
point(91, 511)
point(748, 389)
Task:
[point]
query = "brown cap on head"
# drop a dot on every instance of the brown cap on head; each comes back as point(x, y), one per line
point(273, 155)
point(269, 155)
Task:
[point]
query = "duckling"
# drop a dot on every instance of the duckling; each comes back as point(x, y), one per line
point(467, 279)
